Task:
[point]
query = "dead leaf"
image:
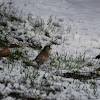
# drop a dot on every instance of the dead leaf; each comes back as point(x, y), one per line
point(14, 45)
point(5, 52)
point(97, 57)
point(89, 64)
point(98, 69)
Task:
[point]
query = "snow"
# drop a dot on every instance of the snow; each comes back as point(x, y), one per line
point(79, 34)
point(84, 13)
point(8, 98)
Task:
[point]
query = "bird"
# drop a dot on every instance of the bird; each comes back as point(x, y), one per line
point(43, 56)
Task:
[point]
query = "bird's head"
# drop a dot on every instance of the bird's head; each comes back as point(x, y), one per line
point(47, 48)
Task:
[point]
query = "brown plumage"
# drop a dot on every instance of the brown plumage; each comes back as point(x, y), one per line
point(43, 56)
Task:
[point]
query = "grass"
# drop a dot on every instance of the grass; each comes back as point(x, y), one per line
point(67, 61)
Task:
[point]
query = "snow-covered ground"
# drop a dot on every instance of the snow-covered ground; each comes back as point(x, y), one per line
point(83, 12)
point(83, 16)
point(79, 33)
